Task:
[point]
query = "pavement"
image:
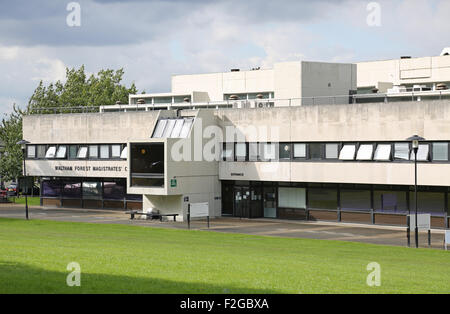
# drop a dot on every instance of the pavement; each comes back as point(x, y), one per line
point(375, 234)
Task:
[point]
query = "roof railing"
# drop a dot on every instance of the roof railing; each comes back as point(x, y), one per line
point(254, 103)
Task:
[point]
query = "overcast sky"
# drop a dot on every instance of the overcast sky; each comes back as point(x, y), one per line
point(152, 40)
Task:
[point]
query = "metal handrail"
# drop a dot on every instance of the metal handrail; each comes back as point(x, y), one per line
point(246, 103)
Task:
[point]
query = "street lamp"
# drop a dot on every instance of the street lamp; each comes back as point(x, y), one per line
point(23, 145)
point(415, 139)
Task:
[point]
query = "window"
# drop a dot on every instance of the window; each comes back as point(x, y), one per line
point(268, 151)
point(51, 152)
point(292, 197)
point(285, 151)
point(104, 151)
point(315, 151)
point(423, 153)
point(227, 152)
point(124, 154)
point(159, 129)
point(331, 151)
point(82, 152)
point(440, 151)
point(92, 190)
point(401, 151)
point(241, 151)
point(41, 151)
point(62, 151)
point(169, 128)
point(31, 151)
point(299, 150)
point(177, 128)
point(186, 127)
point(383, 152)
point(73, 150)
point(253, 151)
point(115, 151)
point(365, 152)
point(348, 152)
point(93, 151)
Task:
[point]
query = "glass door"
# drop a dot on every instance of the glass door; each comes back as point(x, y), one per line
point(242, 202)
point(269, 204)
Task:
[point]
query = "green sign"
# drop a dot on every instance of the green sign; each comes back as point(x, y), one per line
point(173, 183)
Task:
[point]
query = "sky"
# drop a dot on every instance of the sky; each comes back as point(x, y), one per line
point(152, 40)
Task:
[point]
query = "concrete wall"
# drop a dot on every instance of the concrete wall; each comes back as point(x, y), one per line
point(334, 123)
point(404, 71)
point(352, 122)
point(86, 128)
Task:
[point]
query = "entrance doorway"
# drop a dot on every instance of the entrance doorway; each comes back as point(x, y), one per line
point(248, 202)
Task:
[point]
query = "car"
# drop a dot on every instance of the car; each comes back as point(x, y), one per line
point(3, 194)
point(12, 190)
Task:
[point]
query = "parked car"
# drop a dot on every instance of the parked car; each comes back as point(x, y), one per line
point(12, 190)
point(3, 193)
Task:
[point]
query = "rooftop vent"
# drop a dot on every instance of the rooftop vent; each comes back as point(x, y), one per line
point(140, 101)
point(441, 86)
point(187, 99)
point(233, 97)
point(259, 96)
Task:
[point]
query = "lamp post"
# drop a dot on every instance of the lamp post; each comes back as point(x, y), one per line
point(415, 139)
point(23, 145)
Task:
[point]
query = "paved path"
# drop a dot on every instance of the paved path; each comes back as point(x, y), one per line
point(387, 235)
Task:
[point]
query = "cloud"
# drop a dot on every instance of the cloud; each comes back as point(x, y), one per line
point(154, 39)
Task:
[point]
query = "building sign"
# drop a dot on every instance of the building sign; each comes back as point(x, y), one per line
point(173, 183)
point(89, 168)
point(78, 168)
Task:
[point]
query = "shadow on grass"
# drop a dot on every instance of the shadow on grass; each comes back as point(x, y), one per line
point(22, 278)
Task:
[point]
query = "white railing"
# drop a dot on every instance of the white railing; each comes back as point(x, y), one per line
point(254, 103)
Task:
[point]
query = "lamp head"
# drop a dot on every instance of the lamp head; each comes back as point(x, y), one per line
point(23, 144)
point(415, 139)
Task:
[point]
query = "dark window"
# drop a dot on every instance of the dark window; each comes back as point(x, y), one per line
point(73, 150)
point(285, 151)
point(390, 201)
point(114, 190)
point(428, 202)
point(51, 188)
point(322, 198)
point(355, 200)
point(71, 190)
point(147, 164)
point(315, 151)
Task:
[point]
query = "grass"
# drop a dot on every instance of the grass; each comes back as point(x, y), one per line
point(131, 259)
point(32, 201)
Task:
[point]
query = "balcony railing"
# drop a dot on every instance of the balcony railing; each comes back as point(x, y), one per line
point(255, 103)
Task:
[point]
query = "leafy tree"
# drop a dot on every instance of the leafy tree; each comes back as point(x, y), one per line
point(79, 91)
point(10, 134)
point(105, 88)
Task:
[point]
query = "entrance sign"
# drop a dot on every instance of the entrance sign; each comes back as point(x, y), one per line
point(423, 224)
point(423, 221)
point(197, 210)
point(447, 238)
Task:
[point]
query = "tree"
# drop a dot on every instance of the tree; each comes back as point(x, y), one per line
point(105, 88)
point(10, 134)
point(78, 91)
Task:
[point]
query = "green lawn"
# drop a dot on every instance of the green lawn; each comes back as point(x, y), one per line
point(130, 259)
point(32, 201)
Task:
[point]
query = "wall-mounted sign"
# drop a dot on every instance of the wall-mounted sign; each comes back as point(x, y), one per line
point(173, 183)
point(186, 198)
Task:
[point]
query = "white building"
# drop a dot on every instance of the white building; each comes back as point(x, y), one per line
point(295, 142)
